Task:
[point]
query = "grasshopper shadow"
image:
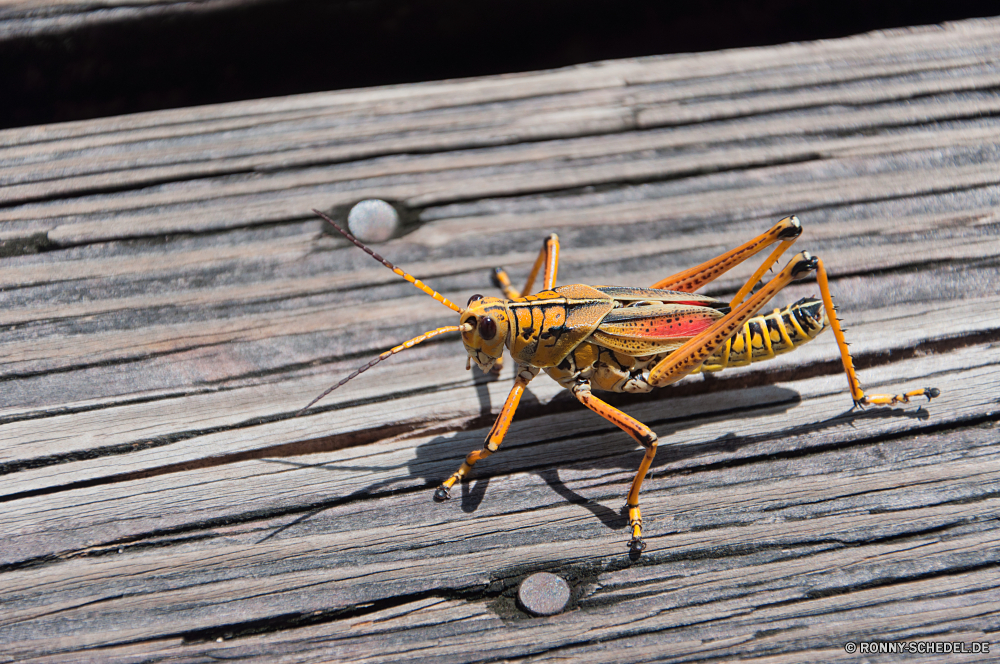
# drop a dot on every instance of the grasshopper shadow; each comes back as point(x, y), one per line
point(436, 459)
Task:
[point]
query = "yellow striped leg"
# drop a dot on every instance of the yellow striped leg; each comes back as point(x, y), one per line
point(860, 398)
point(547, 257)
point(642, 435)
point(787, 231)
point(495, 436)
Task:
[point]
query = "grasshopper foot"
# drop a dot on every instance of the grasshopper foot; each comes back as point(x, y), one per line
point(441, 494)
point(635, 545)
point(893, 399)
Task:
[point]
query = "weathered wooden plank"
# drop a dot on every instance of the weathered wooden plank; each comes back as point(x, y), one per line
point(183, 304)
point(226, 206)
point(107, 339)
point(801, 93)
point(774, 512)
point(212, 283)
point(911, 45)
point(372, 139)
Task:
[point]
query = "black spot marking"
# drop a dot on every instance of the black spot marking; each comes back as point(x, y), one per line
point(807, 264)
point(793, 334)
point(554, 333)
point(806, 312)
point(792, 231)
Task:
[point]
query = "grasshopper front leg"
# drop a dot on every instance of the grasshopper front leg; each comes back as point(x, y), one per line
point(495, 436)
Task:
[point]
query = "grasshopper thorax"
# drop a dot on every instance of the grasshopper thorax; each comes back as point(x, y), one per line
point(485, 325)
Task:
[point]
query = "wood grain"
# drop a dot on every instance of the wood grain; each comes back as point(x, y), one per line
point(168, 302)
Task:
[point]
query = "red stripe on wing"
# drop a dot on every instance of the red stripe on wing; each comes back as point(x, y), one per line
point(669, 321)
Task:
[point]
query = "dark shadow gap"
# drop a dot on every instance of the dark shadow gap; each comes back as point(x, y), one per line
point(201, 53)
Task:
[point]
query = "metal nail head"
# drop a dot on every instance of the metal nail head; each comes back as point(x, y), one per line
point(373, 220)
point(543, 594)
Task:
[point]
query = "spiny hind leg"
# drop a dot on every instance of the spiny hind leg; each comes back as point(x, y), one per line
point(495, 436)
point(643, 435)
point(548, 258)
point(696, 350)
point(704, 345)
point(860, 398)
point(785, 231)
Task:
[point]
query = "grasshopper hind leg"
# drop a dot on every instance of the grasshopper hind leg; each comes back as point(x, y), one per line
point(857, 394)
point(704, 346)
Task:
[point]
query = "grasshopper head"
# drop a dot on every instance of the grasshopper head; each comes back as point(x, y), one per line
point(485, 323)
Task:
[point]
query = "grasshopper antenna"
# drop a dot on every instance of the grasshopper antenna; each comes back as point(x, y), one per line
point(406, 344)
point(401, 347)
point(413, 280)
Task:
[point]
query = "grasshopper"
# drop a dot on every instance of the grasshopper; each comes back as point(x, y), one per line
point(625, 339)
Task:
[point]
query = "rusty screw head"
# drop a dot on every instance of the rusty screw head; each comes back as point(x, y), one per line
point(543, 594)
point(373, 220)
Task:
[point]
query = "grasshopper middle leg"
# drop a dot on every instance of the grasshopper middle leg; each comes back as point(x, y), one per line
point(642, 435)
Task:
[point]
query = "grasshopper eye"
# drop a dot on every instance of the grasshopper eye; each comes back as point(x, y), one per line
point(487, 328)
point(473, 299)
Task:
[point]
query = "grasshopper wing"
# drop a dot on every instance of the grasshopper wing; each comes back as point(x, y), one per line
point(649, 329)
point(628, 295)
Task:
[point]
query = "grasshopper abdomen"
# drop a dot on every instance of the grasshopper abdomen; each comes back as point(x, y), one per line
point(767, 336)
